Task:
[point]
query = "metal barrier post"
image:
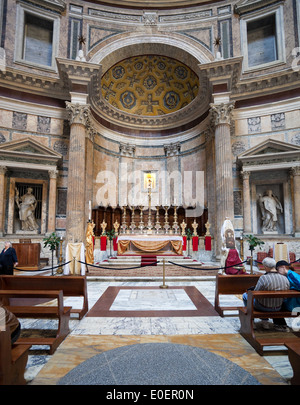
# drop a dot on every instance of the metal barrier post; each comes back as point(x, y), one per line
point(164, 274)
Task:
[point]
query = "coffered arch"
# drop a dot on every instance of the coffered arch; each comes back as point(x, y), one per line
point(175, 46)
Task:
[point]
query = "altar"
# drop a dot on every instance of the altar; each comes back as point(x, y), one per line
point(149, 243)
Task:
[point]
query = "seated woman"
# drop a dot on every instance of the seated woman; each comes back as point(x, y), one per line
point(294, 278)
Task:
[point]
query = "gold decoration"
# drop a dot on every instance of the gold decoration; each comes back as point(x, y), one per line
point(149, 85)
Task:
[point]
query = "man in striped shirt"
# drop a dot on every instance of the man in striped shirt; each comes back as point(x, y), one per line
point(270, 281)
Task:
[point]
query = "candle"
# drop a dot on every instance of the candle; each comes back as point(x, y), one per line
point(90, 210)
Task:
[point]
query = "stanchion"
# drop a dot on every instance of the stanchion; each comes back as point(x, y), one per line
point(164, 275)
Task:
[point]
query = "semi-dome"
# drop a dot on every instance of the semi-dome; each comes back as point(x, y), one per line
point(149, 85)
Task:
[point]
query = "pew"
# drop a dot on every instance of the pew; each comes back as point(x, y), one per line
point(72, 286)
point(260, 340)
point(294, 358)
point(33, 311)
point(13, 360)
point(232, 285)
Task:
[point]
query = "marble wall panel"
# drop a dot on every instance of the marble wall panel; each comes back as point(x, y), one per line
point(31, 123)
point(6, 119)
point(57, 126)
point(292, 119)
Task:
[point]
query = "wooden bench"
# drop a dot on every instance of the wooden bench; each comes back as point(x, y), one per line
point(232, 285)
point(294, 358)
point(32, 311)
point(13, 360)
point(249, 313)
point(72, 286)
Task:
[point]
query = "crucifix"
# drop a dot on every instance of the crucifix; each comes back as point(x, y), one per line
point(150, 103)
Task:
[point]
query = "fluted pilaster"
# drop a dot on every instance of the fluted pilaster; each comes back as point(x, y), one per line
point(295, 171)
point(246, 202)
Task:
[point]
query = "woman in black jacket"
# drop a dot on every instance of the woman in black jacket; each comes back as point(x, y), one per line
point(8, 259)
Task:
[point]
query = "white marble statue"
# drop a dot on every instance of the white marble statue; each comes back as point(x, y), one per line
point(269, 206)
point(27, 205)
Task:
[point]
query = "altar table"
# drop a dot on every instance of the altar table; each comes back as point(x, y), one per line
point(150, 243)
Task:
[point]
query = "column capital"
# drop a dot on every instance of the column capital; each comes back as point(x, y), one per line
point(245, 175)
point(3, 169)
point(295, 171)
point(221, 113)
point(78, 113)
point(53, 173)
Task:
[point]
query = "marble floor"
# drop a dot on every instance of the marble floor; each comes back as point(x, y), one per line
point(135, 298)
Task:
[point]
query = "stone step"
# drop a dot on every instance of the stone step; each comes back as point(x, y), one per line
point(136, 260)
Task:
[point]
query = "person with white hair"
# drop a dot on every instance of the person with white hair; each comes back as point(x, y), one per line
point(270, 281)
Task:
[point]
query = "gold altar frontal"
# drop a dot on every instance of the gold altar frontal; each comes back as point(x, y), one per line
point(149, 243)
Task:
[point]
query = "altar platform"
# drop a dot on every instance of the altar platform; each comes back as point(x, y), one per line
point(155, 244)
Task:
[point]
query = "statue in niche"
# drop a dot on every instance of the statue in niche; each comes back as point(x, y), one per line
point(27, 205)
point(269, 205)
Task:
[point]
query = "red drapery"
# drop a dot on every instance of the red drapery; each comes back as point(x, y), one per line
point(115, 244)
point(195, 243)
point(207, 242)
point(103, 242)
point(233, 259)
point(184, 243)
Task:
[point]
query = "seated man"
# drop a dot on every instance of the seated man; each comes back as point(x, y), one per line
point(270, 281)
point(9, 320)
point(294, 278)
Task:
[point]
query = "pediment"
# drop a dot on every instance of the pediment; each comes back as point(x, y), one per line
point(30, 150)
point(268, 151)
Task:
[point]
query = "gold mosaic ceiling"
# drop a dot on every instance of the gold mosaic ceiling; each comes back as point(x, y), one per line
point(149, 85)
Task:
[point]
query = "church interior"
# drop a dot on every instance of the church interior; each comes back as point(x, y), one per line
point(149, 151)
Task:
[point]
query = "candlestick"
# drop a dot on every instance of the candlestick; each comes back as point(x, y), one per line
point(90, 210)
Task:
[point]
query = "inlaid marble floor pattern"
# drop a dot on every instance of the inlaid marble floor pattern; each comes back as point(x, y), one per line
point(186, 328)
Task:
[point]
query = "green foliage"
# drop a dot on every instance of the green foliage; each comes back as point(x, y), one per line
point(110, 234)
point(52, 241)
point(189, 234)
point(253, 242)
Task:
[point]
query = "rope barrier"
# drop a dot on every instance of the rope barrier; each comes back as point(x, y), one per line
point(218, 268)
point(109, 268)
point(145, 265)
point(50, 268)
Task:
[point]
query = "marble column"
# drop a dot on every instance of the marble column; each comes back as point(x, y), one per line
point(52, 200)
point(79, 117)
point(296, 179)
point(246, 202)
point(221, 116)
point(2, 198)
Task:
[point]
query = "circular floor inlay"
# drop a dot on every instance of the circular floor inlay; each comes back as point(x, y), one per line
point(158, 364)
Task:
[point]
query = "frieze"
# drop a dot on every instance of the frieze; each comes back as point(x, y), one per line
point(19, 120)
point(44, 124)
point(277, 121)
point(287, 80)
point(45, 85)
point(114, 16)
point(254, 124)
point(186, 16)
